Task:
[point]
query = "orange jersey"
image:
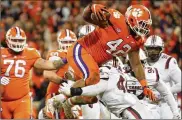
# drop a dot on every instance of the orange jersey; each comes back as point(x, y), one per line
point(53, 88)
point(115, 40)
point(16, 67)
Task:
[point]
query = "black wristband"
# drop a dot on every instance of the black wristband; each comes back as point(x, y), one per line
point(76, 91)
point(63, 81)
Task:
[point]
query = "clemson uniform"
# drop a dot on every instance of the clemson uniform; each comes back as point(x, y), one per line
point(16, 93)
point(100, 46)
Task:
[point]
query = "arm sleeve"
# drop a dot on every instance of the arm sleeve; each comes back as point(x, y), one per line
point(168, 97)
point(94, 90)
point(175, 75)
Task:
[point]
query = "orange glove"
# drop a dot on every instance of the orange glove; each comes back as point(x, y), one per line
point(147, 91)
point(99, 11)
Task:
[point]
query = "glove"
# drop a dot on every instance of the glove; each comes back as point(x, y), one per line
point(149, 93)
point(4, 80)
point(49, 108)
point(75, 111)
point(67, 109)
point(65, 89)
point(99, 11)
point(58, 100)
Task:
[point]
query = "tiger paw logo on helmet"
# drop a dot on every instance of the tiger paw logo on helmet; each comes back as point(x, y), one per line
point(137, 12)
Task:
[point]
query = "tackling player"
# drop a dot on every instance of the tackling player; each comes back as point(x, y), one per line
point(65, 39)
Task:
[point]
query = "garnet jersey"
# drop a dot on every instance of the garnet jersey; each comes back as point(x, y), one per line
point(115, 39)
point(53, 88)
point(16, 67)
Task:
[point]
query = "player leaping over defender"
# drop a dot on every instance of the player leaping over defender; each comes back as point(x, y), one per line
point(116, 35)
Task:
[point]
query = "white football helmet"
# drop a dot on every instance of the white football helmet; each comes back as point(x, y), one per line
point(16, 39)
point(65, 39)
point(85, 30)
point(153, 47)
point(154, 41)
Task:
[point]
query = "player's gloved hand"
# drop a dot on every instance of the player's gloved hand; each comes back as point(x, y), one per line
point(58, 100)
point(176, 115)
point(75, 111)
point(4, 80)
point(147, 91)
point(99, 10)
point(65, 89)
point(49, 108)
point(67, 105)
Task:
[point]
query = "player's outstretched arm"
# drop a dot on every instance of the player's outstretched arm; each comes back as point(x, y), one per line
point(52, 76)
point(48, 65)
point(138, 69)
point(91, 90)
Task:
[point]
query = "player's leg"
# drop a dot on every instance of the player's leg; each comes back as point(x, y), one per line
point(23, 108)
point(91, 111)
point(83, 64)
point(5, 112)
point(138, 111)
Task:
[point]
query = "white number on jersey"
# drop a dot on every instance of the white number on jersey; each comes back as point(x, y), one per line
point(113, 47)
point(19, 71)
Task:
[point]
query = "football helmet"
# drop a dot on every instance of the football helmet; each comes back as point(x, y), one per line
point(138, 17)
point(86, 29)
point(65, 39)
point(16, 39)
point(153, 47)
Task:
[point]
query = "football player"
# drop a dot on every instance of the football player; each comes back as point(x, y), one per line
point(112, 93)
point(115, 35)
point(16, 62)
point(65, 39)
point(91, 111)
point(167, 67)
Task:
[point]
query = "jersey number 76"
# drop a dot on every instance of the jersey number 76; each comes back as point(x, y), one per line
point(19, 70)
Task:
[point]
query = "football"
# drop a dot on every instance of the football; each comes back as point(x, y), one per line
point(101, 23)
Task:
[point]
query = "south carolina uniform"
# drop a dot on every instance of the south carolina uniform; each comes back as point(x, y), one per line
point(160, 89)
point(16, 93)
point(112, 93)
point(100, 46)
point(171, 75)
point(167, 67)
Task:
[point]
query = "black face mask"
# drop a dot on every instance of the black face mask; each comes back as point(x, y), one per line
point(153, 53)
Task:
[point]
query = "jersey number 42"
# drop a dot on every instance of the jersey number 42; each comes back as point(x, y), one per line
point(113, 47)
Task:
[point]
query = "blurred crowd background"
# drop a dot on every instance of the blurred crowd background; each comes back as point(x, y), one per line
point(42, 20)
